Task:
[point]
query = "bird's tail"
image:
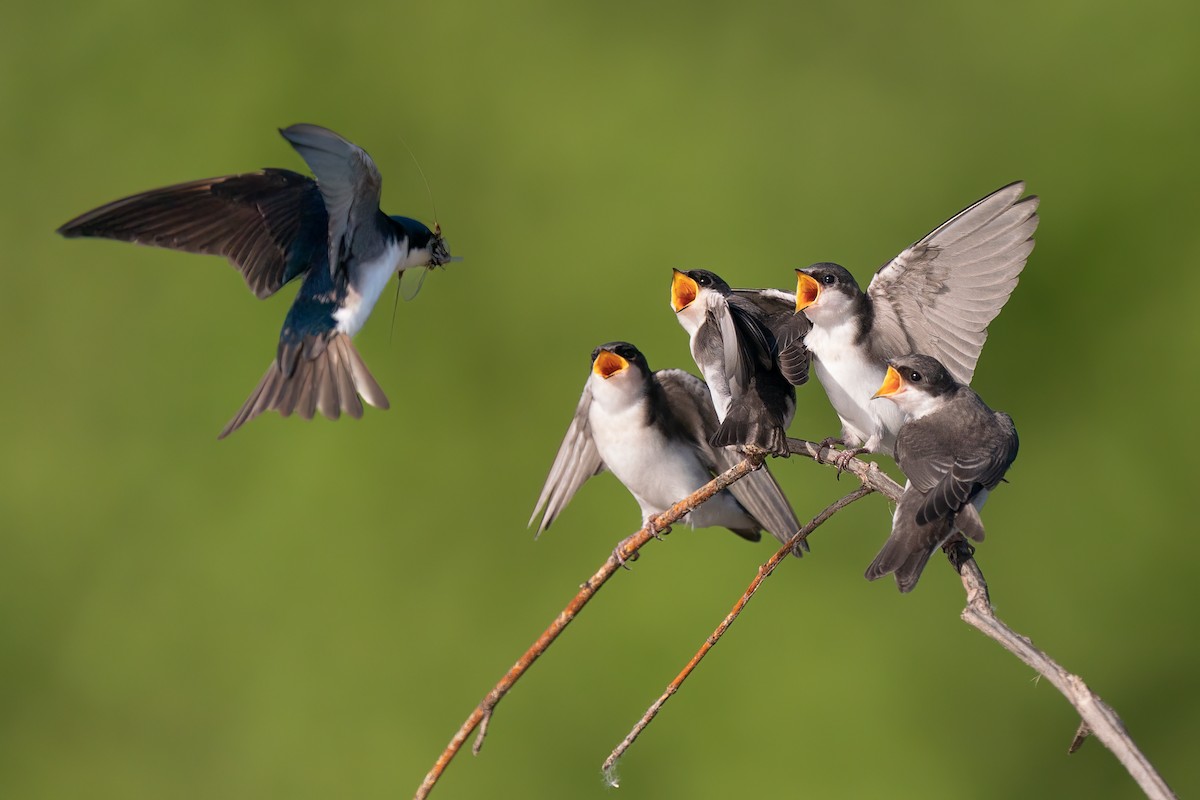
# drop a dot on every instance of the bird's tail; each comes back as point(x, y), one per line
point(317, 374)
point(740, 430)
point(908, 548)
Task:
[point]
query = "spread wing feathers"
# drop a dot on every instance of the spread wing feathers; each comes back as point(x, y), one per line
point(576, 461)
point(908, 548)
point(758, 492)
point(939, 296)
point(269, 224)
point(777, 314)
point(315, 374)
point(347, 178)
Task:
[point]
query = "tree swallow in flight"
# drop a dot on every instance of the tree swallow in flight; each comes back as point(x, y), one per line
point(652, 430)
point(275, 225)
point(734, 342)
point(937, 297)
point(953, 449)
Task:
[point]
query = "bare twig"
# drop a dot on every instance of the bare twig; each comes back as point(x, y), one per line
point(763, 573)
point(1098, 718)
point(625, 551)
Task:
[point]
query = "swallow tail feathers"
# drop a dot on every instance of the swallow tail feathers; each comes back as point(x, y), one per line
point(323, 374)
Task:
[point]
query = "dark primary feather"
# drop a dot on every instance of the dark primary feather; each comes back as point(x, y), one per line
point(269, 224)
point(763, 401)
point(759, 415)
point(776, 313)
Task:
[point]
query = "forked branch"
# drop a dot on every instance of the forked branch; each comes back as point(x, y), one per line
point(625, 551)
point(764, 572)
point(1098, 718)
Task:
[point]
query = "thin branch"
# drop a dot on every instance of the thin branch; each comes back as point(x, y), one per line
point(1098, 718)
point(763, 573)
point(625, 551)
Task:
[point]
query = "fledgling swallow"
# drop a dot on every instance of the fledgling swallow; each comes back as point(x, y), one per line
point(276, 225)
point(652, 431)
point(936, 297)
point(953, 449)
point(734, 343)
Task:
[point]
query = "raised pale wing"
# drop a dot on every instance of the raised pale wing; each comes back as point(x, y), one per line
point(939, 296)
point(576, 461)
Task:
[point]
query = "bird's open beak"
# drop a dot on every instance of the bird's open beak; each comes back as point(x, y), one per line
point(807, 290)
point(683, 291)
point(892, 384)
point(608, 364)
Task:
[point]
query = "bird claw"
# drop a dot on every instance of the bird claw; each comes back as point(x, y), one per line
point(621, 560)
point(843, 459)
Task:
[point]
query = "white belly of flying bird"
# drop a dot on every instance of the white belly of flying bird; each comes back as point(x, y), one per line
point(373, 277)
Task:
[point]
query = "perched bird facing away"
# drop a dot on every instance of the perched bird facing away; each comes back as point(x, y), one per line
point(937, 297)
point(652, 430)
point(739, 340)
point(953, 449)
point(275, 225)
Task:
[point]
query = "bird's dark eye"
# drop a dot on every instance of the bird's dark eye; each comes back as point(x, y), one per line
point(626, 353)
point(914, 376)
point(829, 280)
point(703, 280)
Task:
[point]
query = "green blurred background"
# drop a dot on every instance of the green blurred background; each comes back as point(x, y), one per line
point(311, 609)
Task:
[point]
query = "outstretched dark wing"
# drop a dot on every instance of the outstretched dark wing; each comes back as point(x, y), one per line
point(271, 224)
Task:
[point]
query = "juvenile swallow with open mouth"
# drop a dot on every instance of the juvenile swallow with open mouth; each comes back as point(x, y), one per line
point(741, 340)
point(652, 431)
point(276, 225)
point(937, 297)
point(953, 449)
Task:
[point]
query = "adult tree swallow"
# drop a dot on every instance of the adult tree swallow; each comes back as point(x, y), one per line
point(652, 430)
point(275, 225)
point(739, 339)
point(936, 297)
point(953, 449)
